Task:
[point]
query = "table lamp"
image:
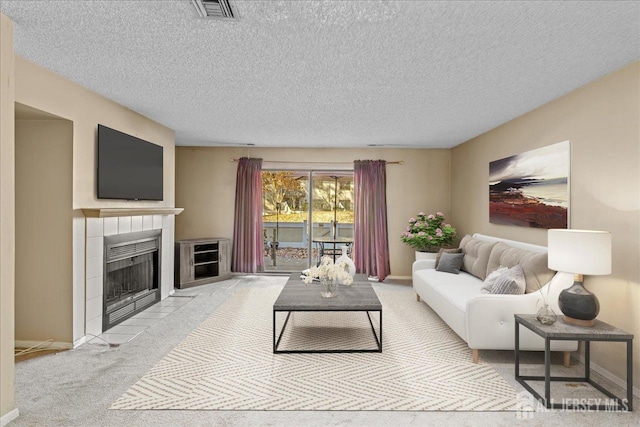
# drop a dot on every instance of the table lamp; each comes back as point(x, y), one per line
point(581, 252)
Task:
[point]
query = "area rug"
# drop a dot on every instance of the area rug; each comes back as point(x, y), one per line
point(227, 363)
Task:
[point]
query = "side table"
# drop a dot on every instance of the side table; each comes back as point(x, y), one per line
point(563, 331)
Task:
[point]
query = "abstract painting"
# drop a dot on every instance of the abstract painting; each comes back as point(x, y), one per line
point(531, 189)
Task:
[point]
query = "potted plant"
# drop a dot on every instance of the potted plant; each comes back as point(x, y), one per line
point(428, 233)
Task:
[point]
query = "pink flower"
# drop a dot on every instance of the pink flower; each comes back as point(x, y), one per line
point(408, 228)
point(410, 236)
point(439, 232)
point(421, 213)
point(431, 216)
point(447, 225)
point(439, 214)
point(421, 233)
point(412, 219)
point(429, 238)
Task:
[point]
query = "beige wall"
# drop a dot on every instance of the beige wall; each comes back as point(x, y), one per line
point(41, 89)
point(205, 187)
point(44, 185)
point(602, 121)
point(7, 216)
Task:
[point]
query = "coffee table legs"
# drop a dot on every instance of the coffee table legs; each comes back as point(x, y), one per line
point(378, 340)
point(376, 336)
point(277, 342)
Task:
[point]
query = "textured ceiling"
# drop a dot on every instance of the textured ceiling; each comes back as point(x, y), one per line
point(329, 73)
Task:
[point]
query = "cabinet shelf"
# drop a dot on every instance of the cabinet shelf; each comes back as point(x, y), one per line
point(205, 252)
point(205, 263)
point(201, 261)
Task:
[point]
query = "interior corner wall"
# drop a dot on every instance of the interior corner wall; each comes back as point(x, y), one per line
point(7, 219)
point(206, 185)
point(44, 202)
point(602, 122)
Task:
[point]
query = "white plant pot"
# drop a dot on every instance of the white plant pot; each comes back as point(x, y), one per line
point(426, 255)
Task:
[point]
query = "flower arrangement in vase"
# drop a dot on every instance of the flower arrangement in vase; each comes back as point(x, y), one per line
point(329, 274)
point(427, 233)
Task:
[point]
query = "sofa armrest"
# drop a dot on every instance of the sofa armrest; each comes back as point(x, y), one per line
point(490, 320)
point(423, 264)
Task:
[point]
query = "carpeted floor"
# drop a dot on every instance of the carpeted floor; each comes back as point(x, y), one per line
point(228, 363)
point(77, 387)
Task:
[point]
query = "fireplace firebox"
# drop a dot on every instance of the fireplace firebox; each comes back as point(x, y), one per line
point(131, 279)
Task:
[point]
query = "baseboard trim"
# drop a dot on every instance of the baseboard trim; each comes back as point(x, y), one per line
point(54, 345)
point(77, 343)
point(607, 374)
point(398, 277)
point(9, 416)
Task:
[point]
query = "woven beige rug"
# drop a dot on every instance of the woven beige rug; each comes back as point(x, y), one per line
point(227, 363)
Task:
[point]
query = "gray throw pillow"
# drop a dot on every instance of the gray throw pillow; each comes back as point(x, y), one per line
point(450, 263)
point(510, 282)
point(443, 250)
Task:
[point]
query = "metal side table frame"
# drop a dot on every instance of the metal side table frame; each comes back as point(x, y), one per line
point(565, 332)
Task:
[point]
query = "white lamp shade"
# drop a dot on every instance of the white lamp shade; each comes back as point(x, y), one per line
point(580, 251)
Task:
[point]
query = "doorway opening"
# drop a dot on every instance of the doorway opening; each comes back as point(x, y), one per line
point(306, 214)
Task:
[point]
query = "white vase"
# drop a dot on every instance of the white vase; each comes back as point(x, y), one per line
point(345, 258)
point(426, 255)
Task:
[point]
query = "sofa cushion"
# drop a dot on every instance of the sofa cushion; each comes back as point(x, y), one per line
point(510, 282)
point(534, 264)
point(457, 289)
point(448, 251)
point(450, 263)
point(476, 256)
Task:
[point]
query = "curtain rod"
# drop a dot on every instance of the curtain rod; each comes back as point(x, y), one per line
point(401, 162)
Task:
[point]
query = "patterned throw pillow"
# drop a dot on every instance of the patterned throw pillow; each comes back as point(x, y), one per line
point(510, 282)
point(491, 279)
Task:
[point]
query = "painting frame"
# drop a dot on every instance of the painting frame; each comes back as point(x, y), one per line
point(533, 188)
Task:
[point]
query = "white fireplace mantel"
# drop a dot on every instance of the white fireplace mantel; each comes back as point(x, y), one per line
point(100, 223)
point(115, 212)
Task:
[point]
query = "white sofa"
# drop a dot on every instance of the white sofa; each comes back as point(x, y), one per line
point(486, 321)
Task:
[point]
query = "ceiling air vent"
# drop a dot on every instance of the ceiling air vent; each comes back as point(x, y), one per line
point(216, 9)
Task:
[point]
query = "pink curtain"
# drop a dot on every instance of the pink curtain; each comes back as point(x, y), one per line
point(370, 243)
point(247, 226)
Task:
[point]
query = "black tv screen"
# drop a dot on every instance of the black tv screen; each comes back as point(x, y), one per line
point(128, 167)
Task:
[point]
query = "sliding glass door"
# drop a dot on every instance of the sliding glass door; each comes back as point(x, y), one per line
point(306, 214)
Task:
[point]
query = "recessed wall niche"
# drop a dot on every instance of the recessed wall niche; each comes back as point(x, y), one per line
point(44, 235)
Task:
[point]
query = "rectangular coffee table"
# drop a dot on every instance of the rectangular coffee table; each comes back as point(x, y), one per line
point(358, 297)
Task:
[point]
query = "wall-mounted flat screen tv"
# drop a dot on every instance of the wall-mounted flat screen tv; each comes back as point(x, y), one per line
point(128, 167)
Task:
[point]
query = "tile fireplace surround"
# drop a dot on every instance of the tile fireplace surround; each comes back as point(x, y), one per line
point(95, 230)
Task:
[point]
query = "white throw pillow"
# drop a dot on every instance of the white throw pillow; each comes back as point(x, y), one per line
point(491, 278)
point(511, 282)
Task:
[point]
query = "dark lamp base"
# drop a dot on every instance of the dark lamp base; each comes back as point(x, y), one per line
point(578, 304)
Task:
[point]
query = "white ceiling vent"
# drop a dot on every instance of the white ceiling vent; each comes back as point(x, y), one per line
point(216, 9)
